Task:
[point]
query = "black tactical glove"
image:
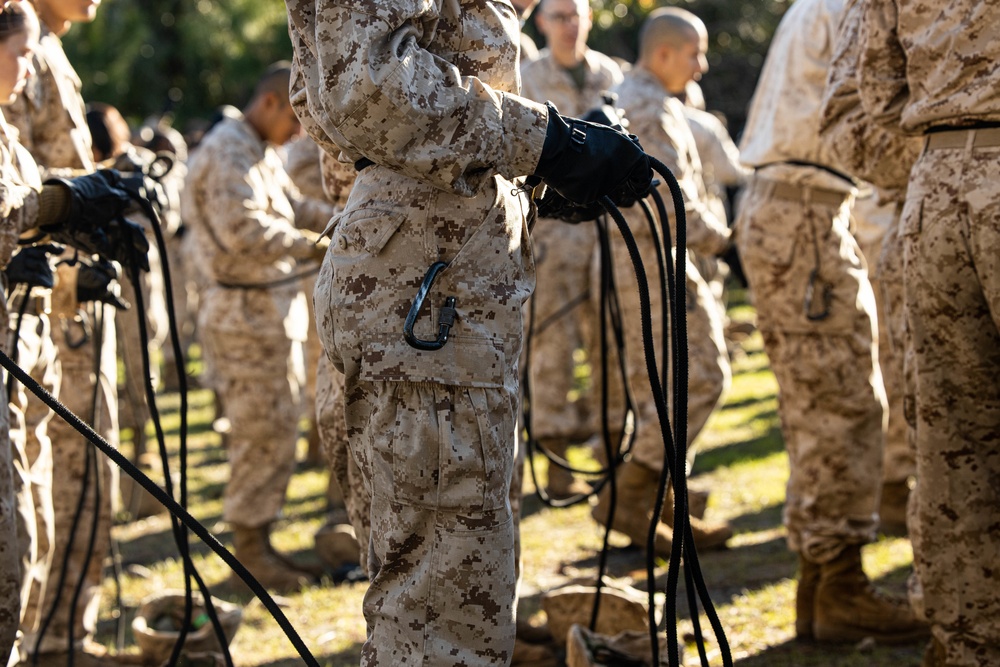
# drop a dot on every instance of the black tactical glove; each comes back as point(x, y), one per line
point(95, 202)
point(94, 222)
point(30, 265)
point(583, 161)
point(99, 282)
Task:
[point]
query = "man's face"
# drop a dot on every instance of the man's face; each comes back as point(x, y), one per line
point(74, 11)
point(284, 125)
point(565, 24)
point(685, 63)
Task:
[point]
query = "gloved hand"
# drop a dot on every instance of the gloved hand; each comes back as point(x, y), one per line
point(94, 202)
point(583, 161)
point(30, 265)
point(99, 282)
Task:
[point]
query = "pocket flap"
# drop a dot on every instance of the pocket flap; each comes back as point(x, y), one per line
point(463, 361)
point(364, 230)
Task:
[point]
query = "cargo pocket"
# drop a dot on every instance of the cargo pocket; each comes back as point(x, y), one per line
point(442, 429)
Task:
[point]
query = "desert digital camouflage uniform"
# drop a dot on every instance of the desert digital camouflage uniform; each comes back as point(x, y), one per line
point(432, 431)
point(50, 118)
point(561, 306)
point(657, 118)
point(19, 188)
point(882, 158)
point(931, 68)
point(815, 306)
point(240, 203)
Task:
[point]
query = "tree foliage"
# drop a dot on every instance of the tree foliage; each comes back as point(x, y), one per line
point(184, 58)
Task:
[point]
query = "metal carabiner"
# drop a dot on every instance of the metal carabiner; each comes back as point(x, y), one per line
point(827, 296)
point(445, 320)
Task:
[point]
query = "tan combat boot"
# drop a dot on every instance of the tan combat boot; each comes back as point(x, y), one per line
point(849, 609)
point(805, 599)
point(252, 547)
point(707, 535)
point(634, 507)
point(562, 484)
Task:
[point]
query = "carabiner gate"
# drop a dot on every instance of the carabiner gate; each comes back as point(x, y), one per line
point(445, 320)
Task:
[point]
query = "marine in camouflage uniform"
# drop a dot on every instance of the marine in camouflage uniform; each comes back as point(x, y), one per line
point(426, 91)
point(815, 309)
point(560, 311)
point(50, 118)
point(244, 209)
point(930, 68)
point(657, 117)
point(883, 159)
point(19, 204)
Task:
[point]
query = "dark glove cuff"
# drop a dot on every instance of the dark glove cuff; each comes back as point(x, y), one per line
point(53, 204)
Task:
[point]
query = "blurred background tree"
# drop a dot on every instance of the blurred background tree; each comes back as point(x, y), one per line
point(184, 58)
point(179, 58)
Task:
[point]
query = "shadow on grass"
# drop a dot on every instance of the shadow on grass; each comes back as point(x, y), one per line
point(760, 447)
point(804, 654)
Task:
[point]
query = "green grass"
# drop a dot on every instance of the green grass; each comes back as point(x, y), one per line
point(741, 459)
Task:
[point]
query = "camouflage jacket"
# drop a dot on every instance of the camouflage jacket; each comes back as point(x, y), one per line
point(784, 117)
point(927, 63)
point(860, 146)
point(50, 115)
point(240, 202)
point(421, 87)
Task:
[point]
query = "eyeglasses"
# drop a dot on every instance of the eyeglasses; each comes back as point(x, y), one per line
point(563, 19)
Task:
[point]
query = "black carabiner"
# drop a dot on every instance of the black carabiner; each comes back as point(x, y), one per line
point(445, 320)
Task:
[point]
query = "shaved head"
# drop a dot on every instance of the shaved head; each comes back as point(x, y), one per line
point(670, 26)
point(275, 80)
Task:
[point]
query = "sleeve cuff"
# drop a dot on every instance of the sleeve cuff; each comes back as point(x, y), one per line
point(524, 123)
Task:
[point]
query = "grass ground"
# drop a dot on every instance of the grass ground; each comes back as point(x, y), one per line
point(741, 459)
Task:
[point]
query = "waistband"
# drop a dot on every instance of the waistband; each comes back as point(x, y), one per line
point(803, 193)
point(975, 137)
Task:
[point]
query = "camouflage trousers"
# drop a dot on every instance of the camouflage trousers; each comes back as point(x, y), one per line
point(432, 432)
point(31, 447)
point(10, 556)
point(816, 309)
point(951, 232)
point(330, 408)
point(877, 234)
point(562, 320)
point(82, 479)
point(332, 423)
point(258, 375)
point(709, 371)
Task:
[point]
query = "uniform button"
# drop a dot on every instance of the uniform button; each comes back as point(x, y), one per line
point(342, 243)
